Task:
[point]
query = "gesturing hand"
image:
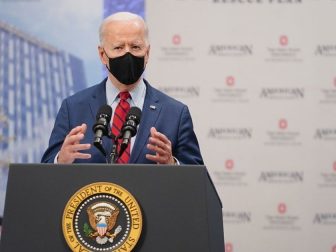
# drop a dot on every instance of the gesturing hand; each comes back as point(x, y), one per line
point(71, 147)
point(161, 145)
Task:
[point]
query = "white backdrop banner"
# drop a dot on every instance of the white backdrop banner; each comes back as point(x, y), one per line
point(259, 77)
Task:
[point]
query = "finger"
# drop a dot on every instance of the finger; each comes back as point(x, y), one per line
point(79, 155)
point(154, 158)
point(153, 131)
point(79, 147)
point(157, 149)
point(73, 138)
point(157, 134)
point(67, 155)
point(82, 131)
point(75, 130)
point(155, 141)
point(84, 128)
point(158, 159)
point(162, 137)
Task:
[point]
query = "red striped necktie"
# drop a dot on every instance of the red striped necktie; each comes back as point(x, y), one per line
point(118, 121)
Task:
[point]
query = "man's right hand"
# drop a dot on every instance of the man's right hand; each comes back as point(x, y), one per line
point(71, 147)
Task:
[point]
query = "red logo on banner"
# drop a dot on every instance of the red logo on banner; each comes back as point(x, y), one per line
point(333, 249)
point(176, 39)
point(283, 124)
point(334, 166)
point(230, 81)
point(229, 164)
point(229, 247)
point(283, 40)
point(282, 208)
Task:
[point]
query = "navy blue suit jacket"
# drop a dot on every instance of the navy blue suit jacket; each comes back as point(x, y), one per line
point(166, 114)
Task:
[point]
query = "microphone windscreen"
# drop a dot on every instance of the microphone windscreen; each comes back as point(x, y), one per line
point(105, 110)
point(135, 114)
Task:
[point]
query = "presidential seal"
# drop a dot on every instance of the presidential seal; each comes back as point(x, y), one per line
point(102, 217)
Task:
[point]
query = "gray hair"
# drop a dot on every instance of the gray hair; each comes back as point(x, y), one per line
point(120, 16)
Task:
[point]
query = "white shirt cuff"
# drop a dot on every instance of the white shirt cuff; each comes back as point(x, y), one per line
point(55, 159)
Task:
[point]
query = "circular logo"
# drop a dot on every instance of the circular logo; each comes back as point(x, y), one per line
point(333, 249)
point(228, 247)
point(102, 217)
point(282, 208)
point(229, 164)
point(283, 40)
point(283, 124)
point(176, 39)
point(230, 81)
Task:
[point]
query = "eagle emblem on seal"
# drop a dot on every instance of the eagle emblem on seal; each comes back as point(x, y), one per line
point(102, 218)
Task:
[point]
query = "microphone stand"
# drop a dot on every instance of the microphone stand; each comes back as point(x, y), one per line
point(114, 154)
point(115, 144)
point(112, 158)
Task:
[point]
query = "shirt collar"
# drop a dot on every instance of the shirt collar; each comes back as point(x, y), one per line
point(137, 94)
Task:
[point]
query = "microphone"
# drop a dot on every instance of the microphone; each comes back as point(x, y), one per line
point(101, 127)
point(129, 129)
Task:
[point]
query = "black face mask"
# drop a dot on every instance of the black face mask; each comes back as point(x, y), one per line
point(127, 68)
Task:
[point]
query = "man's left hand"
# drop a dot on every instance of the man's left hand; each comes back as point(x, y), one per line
point(161, 145)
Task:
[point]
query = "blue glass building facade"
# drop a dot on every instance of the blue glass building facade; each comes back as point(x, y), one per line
point(135, 6)
point(34, 79)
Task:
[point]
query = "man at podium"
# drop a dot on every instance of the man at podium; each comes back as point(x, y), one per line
point(165, 132)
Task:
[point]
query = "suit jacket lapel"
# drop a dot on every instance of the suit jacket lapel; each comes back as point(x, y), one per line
point(98, 99)
point(150, 113)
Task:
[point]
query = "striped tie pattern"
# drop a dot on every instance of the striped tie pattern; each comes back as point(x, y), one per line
point(118, 121)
